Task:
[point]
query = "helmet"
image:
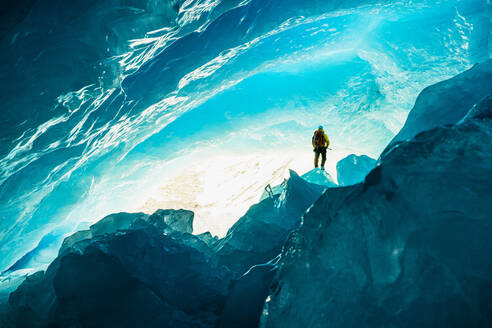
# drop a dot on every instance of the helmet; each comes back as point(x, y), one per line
point(320, 127)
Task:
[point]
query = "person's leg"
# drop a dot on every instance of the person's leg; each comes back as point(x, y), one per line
point(316, 158)
point(323, 157)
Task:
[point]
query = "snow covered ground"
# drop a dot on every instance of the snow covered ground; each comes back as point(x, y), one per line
point(219, 188)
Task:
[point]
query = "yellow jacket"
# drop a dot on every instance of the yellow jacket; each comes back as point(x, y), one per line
point(327, 141)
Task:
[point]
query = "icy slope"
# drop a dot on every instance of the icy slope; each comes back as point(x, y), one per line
point(410, 247)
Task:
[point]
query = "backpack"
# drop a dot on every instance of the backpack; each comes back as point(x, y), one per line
point(318, 138)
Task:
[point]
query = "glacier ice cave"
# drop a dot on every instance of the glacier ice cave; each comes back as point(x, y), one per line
point(156, 167)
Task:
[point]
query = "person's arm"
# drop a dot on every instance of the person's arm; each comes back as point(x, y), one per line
point(327, 140)
point(312, 141)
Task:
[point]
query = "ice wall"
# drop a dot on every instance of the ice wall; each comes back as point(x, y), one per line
point(94, 124)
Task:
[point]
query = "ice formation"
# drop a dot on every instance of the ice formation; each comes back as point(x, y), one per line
point(182, 111)
point(447, 102)
point(398, 249)
point(136, 269)
point(410, 247)
point(353, 169)
point(95, 125)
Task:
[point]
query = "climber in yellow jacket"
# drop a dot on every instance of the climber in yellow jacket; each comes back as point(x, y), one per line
point(320, 143)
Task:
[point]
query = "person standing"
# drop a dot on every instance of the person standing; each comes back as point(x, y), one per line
point(320, 143)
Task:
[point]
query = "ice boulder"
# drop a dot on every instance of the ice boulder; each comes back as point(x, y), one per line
point(353, 169)
point(410, 247)
point(109, 224)
point(173, 220)
point(137, 276)
point(448, 101)
point(115, 222)
point(319, 177)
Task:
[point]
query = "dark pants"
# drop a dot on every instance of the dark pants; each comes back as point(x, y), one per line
point(317, 152)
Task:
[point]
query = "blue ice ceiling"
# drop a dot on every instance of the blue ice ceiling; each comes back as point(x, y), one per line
point(168, 80)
